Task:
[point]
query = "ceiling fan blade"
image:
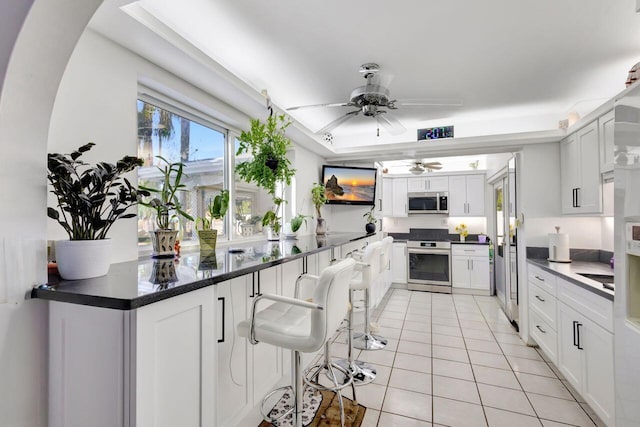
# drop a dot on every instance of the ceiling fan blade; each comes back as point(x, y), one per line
point(430, 102)
point(391, 124)
point(337, 122)
point(337, 104)
point(432, 165)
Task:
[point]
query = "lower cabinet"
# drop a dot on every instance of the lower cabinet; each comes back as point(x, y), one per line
point(399, 263)
point(470, 267)
point(586, 359)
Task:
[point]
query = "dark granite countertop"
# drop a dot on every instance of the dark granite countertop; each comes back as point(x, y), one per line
point(569, 272)
point(133, 284)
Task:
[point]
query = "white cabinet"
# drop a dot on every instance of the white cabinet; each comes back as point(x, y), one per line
point(266, 359)
point(399, 208)
point(175, 356)
point(399, 263)
point(234, 397)
point(466, 195)
point(580, 171)
point(605, 133)
point(387, 197)
point(394, 197)
point(431, 184)
point(586, 360)
point(470, 267)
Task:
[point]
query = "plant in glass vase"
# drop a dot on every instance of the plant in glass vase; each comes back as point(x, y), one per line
point(269, 166)
point(463, 231)
point(319, 199)
point(167, 206)
point(90, 199)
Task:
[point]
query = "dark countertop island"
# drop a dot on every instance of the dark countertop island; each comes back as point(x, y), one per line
point(569, 272)
point(133, 284)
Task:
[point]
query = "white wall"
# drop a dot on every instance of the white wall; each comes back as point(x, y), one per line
point(38, 58)
point(308, 171)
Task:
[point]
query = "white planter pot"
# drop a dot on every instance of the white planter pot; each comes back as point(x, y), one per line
point(83, 259)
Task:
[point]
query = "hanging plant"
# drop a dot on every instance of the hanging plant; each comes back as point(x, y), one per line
point(267, 144)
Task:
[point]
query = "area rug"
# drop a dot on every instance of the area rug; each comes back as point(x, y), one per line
point(319, 409)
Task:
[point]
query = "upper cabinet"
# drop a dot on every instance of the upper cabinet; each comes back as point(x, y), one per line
point(580, 171)
point(432, 184)
point(394, 197)
point(605, 131)
point(466, 195)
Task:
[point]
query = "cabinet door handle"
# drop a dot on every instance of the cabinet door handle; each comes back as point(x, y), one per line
point(539, 278)
point(472, 264)
point(578, 325)
point(539, 299)
point(573, 197)
point(253, 285)
point(575, 342)
point(540, 329)
point(578, 197)
point(259, 294)
point(223, 318)
point(380, 201)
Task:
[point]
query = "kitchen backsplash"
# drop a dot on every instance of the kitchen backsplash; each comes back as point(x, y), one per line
point(590, 255)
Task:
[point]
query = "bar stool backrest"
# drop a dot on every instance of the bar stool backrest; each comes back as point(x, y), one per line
point(331, 292)
point(371, 256)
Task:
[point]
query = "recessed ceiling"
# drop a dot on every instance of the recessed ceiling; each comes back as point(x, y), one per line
point(517, 66)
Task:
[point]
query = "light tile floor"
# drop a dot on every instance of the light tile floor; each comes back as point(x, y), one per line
point(455, 360)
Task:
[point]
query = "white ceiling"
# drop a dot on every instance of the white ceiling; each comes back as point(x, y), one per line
point(517, 65)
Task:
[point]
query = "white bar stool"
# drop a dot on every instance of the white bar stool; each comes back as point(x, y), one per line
point(302, 327)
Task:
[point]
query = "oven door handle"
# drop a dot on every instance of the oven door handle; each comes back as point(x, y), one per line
point(429, 251)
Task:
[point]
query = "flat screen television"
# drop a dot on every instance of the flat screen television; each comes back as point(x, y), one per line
point(347, 185)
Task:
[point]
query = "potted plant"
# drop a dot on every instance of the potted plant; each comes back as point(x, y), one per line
point(370, 226)
point(292, 227)
point(463, 231)
point(167, 206)
point(216, 209)
point(90, 199)
point(319, 199)
point(267, 144)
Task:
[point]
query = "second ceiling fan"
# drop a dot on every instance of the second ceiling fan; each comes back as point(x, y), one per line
point(373, 100)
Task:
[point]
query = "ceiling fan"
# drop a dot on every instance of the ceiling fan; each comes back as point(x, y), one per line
point(420, 167)
point(373, 100)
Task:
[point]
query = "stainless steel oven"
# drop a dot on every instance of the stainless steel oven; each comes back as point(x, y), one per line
point(429, 266)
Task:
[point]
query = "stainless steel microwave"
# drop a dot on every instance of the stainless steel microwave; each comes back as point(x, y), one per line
point(424, 203)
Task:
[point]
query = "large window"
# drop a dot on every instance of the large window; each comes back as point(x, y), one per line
point(201, 147)
point(209, 157)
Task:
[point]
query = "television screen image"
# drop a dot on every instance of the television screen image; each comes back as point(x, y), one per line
point(349, 185)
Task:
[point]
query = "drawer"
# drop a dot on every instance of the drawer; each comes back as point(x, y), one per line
point(544, 336)
point(544, 303)
point(590, 305)
point(542, 278)
point(470, 250)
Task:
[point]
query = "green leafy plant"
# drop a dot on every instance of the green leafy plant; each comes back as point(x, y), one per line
point(369, 215)
point(167, 200)
point(318, 197)
point(90, 198)
point(296, 222)
point(216, 209)
point(267, 144)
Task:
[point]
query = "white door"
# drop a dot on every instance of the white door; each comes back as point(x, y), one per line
point(175, 356)
point(416, 185)
point(475, 195)
point(399, 263)
point(479, 273)
point(569, 355)
point(605, 132)
point(569, 173)
point(438, 183)
point(457, 195)
point(387, 197)
point(266, 359)
point(234, 397)
point(399, 197)
point(590, 190)
point(460, 272)
point(598, 389)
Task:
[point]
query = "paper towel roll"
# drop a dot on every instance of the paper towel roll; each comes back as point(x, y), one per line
point(559, 247)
